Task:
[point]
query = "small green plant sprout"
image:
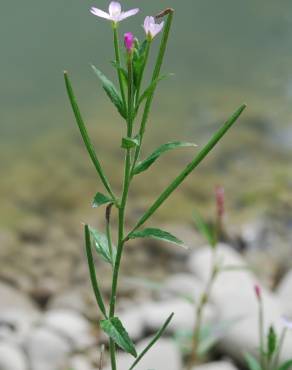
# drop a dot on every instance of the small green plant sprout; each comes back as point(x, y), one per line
point(131, 96)
point(205, 337)
point(270, 344)
point(212, 234)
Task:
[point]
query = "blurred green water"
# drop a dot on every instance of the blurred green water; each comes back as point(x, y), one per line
point(222, 53)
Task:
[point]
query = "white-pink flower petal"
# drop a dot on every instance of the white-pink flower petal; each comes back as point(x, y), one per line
point(151, 28)
point(115, 13)
point(115, 10)
point(99, 13)
point(129, 13)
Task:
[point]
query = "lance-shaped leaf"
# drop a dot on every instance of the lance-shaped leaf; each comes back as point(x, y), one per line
point(102, 247)
point(190, 167)
point(111, 91)
point(100, 199)
point(91, 266)
point(252, 362)
point(129, 143)
point(154, 233)
point(204, 229)
point(85, 136)
point(152, 342)
point(115, 330)
point(144, 165)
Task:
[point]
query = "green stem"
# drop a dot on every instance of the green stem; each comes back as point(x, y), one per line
point(108, 230)
point(261, 334)
point(281, 342)
point(200, 311)
point(118, 61)
point(122, 208)
point(196, 161)
point(155, 75)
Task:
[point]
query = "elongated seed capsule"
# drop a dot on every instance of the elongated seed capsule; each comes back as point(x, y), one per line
point(164, 13)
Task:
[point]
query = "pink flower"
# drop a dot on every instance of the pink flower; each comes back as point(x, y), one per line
point(258, 291)
point(129, 41)
point(115, 13)
point(151, 28)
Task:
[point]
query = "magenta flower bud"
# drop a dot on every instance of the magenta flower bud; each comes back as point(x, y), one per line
point(129, 41)
point(258, 292)
point(219, 193)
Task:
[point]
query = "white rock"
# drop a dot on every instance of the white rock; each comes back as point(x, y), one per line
point(12, 298)
point(220, 365)
point(11, 358)
point(79, 362)
point(46, 350)
point(233, 295)
point(284, 291)
point(72, 326)
point(16, 324)
point(155, 314)
point(72, 300)
point(163, 355)
point(183, 285)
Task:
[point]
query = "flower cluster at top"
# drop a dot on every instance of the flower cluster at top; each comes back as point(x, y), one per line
point(116, 15)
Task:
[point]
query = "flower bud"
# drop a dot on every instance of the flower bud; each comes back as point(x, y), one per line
point(129, 41)
point(258, 292)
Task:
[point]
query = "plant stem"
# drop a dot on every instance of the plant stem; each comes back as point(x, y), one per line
point(108, 230)
point(122, 208)
point(118, 60)
point(200, 311)
point(155, 75)
point(278, 354)
point(195, 162)
point(261, 334)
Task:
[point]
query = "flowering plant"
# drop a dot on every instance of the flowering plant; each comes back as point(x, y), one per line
point(271, 345)
point(129, 99)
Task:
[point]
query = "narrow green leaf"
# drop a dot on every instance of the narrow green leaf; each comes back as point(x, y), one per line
point(204, 229)
point(252, 362)
point(85, 135)
point(101, 246)
point(115, 330)
point(149, 90)
point(91, 266)
point(152, 342)
point(286, 365)
point(190, 167)
point(154, 233)
point(144, 165)
point(129, 143)
point(100, 199)
point(272, 342)
point(111, 92)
